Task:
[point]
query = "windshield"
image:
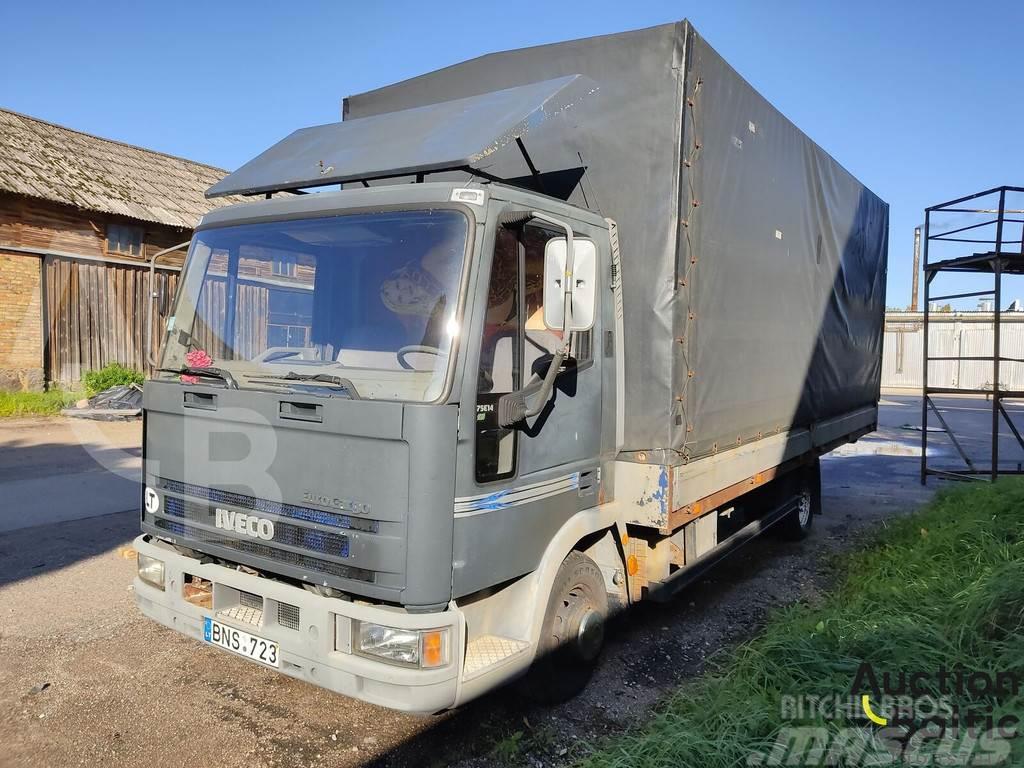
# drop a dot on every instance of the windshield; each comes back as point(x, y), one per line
point(361, 305)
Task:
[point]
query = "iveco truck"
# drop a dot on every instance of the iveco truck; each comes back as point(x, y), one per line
point(515, 345)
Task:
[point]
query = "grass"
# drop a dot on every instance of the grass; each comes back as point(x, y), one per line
point(13, 404)
point(942, 587)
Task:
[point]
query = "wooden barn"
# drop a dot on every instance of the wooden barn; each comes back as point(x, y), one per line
point(79, 218)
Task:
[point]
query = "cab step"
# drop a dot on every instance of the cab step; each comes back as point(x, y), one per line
point(488, 651)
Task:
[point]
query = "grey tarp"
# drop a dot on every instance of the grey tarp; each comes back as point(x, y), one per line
point(753, 263)
point(464, 132)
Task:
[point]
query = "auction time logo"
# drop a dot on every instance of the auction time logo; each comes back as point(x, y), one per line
point(922, 697)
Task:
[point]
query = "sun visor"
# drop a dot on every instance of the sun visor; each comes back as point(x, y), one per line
point(459, 134)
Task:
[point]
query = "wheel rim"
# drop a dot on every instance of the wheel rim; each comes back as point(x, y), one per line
point(583, 623)
point(804, 509)
point(590, 635)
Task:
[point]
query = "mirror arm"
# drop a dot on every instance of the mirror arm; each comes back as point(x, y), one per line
point(148, 343)
point(512, 408)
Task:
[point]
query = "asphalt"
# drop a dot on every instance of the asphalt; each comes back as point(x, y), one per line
point(56, 470)
point(85, 680)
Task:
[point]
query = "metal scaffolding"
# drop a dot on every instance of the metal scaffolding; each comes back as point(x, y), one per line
point(992, 227)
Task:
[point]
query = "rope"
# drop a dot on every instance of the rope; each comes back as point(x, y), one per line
point(693, 204)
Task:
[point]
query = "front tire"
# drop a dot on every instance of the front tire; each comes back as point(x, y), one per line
point(573, 632)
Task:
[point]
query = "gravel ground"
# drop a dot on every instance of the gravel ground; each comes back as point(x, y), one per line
point(86, 681)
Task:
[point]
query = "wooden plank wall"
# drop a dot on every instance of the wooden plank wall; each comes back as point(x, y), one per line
point(96, 314)
point(250, 319)
point(39, 224)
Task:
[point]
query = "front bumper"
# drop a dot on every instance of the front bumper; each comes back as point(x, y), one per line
point(319, 651)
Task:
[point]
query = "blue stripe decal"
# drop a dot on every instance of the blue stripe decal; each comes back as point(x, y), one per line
point(511, 497)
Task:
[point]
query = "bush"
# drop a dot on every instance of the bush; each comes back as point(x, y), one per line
point(110, 376)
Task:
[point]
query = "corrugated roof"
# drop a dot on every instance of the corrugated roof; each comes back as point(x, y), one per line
point(42, 160)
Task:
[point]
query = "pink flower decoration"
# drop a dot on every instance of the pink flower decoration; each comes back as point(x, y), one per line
point(198, 358)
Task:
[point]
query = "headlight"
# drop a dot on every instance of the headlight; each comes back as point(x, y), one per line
point(151, 570)
point(425, 648)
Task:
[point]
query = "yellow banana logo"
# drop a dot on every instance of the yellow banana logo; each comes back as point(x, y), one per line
point(865, 702)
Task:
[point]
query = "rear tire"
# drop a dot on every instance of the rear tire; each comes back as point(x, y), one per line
point(796, 525)
point(572, 635)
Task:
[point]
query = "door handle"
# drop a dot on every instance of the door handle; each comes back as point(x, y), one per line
point(295, 411)
point(205, 400)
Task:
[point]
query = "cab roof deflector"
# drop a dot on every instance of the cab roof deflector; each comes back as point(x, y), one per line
point(453, 135)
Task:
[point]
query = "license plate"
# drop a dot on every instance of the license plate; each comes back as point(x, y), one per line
point(242, 643)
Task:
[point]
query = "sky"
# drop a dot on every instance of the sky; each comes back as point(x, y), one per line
point(921, 101)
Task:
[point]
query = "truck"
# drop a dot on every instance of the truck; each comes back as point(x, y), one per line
point(513, 346)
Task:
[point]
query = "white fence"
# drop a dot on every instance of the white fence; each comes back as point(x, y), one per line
point(952, 334)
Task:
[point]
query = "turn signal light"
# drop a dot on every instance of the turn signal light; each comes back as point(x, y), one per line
point(435, 651)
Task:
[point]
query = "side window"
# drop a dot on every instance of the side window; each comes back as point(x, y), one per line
point(500, 361)
point(538, 341)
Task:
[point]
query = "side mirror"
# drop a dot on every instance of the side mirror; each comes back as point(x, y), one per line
point(584, 287)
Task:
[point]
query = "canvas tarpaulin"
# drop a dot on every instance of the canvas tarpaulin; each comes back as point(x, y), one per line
point(463, 132)
point(753, 263)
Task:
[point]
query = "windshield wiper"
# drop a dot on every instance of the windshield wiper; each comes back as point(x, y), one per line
point(320, 378)
point(205, 373)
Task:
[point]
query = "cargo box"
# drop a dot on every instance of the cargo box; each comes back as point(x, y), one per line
point(754, 264)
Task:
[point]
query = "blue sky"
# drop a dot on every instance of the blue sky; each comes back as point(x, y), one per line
point(921, 101)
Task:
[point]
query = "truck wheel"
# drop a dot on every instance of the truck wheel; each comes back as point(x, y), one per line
point(797, 524)
point(573, 632)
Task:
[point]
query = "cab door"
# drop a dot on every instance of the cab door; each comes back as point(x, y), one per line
point(528, 479)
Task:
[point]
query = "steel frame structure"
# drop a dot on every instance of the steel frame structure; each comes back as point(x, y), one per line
point(998, 262)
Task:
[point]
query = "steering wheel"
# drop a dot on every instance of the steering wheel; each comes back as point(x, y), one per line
point(411, 348)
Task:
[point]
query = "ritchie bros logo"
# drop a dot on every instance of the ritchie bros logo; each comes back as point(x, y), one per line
point(920, 717)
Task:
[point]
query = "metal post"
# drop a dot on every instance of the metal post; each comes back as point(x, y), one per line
point(228, 346)
point(997, 269)
point(924, 362)
point(147, 344)
point(917, 269)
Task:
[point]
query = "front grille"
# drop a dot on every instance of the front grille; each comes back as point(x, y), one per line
point(307, 514)
point(249, 600)
point(334, 544)
point(294, 559)
point(288, 616)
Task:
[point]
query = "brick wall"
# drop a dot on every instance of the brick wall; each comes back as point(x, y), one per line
point(21, 327)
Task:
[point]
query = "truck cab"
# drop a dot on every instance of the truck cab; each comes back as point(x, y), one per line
point(336, 469)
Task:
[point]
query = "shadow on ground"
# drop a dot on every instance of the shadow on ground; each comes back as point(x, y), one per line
point(29, 552)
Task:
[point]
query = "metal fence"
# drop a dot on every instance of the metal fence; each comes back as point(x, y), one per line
point(952, 334)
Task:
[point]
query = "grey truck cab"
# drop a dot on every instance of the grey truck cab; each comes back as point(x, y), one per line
point(415, 436)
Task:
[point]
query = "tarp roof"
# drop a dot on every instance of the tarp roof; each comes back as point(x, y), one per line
point(454, 134)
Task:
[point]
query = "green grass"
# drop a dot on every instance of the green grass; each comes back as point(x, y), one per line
point(50, 403)
point(944, 586)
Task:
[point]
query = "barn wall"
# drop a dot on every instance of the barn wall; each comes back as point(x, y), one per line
point(61, 316)
point(96, 314)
